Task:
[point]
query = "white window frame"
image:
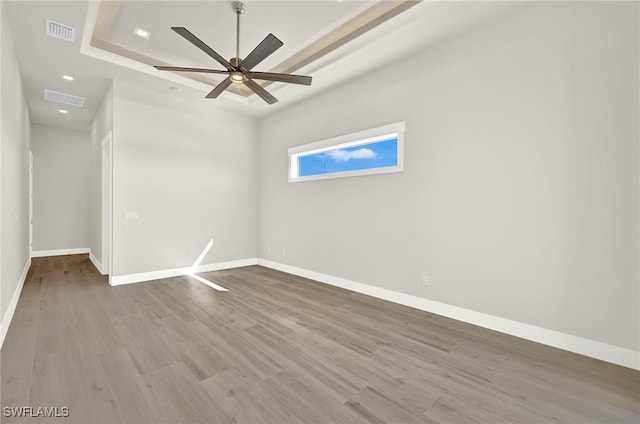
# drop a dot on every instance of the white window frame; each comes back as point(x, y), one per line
point(372, 135)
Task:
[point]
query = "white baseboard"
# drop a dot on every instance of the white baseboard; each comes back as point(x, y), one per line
point(8, 316)
point(96, 263)
point(60, 252)
point(606, 352)
point(118, 280)
point(176, 272)
point(227, 265)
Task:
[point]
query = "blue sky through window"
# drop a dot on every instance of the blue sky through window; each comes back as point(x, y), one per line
point(379, 154)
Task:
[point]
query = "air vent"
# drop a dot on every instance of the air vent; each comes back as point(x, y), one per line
point(66, 99)
point(57, 30)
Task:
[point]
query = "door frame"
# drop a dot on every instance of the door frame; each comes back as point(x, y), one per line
point(107, 204)
point(30, 203)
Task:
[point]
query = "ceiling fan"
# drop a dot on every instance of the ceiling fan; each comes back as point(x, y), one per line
point(240, 71)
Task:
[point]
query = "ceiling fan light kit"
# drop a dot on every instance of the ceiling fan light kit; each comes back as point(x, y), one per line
point(238, 71)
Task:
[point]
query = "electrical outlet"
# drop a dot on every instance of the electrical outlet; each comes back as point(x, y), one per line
point(284, 252)
point(268, 249)
point(425, 280)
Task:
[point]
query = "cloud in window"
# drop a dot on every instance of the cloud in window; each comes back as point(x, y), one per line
point(345, 155)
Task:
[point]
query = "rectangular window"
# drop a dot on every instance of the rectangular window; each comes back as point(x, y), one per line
point(374, 151)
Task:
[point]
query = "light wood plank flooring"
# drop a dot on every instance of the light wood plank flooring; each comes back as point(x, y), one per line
point(280, 349)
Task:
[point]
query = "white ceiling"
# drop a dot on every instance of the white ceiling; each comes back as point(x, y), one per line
point(43, 60)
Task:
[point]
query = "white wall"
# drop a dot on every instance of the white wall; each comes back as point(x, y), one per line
point(61, 172)
point(189, 171)
point(14, 177)
point(520, 192)
point(101, 125)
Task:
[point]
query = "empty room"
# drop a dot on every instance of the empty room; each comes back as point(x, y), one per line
point(320, 212)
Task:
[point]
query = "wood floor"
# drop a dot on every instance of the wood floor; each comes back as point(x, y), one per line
point(280, 349)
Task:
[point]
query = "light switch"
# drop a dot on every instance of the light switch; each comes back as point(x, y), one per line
point(131, 216)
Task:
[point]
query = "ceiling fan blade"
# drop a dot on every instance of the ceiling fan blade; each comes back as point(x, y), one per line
point(270, 76)
point(267, 46)
point(219, 88)
point(257, 88)
point(202, 46)
point(179, 69)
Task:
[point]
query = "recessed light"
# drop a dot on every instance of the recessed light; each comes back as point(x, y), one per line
point(142, 33)
point(68, 77)
point(63, 111)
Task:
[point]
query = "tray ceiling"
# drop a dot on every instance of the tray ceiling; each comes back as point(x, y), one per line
point(309, 30)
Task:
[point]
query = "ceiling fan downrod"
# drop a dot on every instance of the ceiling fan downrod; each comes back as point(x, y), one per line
point(238, 7)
